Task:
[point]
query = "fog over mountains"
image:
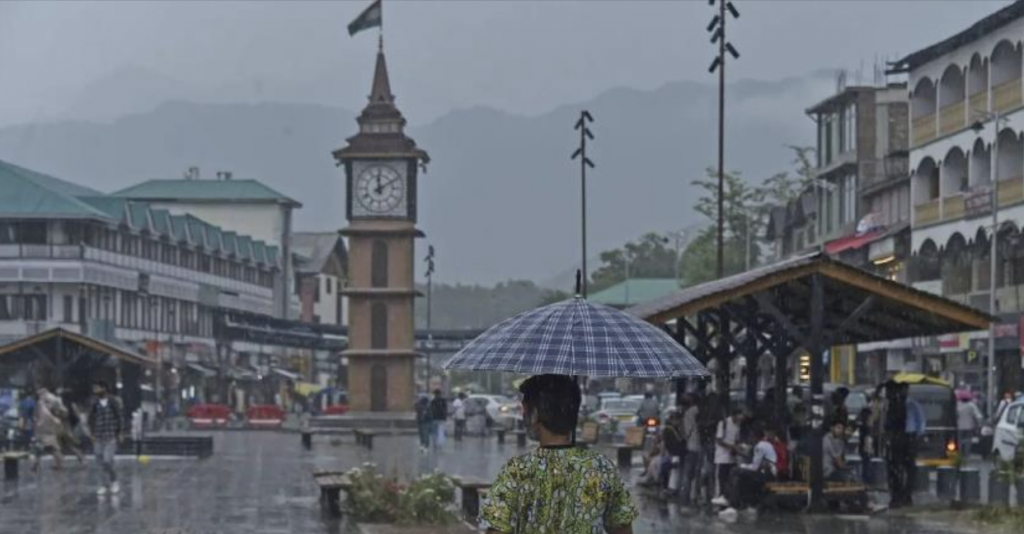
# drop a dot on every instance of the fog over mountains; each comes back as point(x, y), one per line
point(500, 199)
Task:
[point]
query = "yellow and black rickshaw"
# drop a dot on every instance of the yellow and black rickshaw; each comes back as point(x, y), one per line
point(938, 446)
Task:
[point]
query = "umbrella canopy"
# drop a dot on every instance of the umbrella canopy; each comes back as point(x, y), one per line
point(576, 337)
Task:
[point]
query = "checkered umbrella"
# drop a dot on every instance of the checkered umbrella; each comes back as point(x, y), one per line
point(576, 337)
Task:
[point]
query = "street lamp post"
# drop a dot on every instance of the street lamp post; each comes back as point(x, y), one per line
point(997, 119)
point(581, 153)
point(430, 283)
point(717, 29)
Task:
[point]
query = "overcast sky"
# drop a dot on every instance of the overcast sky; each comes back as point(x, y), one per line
point(516, 55)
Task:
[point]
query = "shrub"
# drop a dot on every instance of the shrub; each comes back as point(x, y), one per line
point(374, 498)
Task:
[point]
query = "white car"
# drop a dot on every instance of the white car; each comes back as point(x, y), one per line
point(499, 408)
point(1009, 432)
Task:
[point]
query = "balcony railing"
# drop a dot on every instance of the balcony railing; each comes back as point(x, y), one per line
point(927, 212)
point(924, 129)
point(1011, 190)
point(952, 118)
point(953, 207)
point(978, 104)
point(1006, 95)
point(63, 252)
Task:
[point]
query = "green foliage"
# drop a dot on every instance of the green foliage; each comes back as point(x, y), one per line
point(649, 257)
point(1012, 471)
point(1001, 516)
point(375, 498)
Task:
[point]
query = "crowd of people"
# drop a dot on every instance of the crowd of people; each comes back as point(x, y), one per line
point(53, 424)
point(708, 453)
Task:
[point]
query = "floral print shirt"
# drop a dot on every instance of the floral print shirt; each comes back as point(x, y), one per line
point(567, 490)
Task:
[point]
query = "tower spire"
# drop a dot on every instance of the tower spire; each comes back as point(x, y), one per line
point(380, 92)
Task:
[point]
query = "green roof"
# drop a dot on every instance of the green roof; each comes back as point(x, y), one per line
point(640, 290)
point(30, 194)
point(205, 191)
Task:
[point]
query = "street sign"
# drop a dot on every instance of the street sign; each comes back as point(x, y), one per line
point(978, 201)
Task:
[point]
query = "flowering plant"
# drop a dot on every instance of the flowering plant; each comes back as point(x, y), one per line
point(375, 498)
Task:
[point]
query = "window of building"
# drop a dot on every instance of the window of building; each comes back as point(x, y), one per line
point(32, 233)
point(327, 282)
point(378, 326)
point(379, 265)
point(68, 303)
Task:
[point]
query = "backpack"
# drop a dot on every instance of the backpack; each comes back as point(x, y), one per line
point(781, 457)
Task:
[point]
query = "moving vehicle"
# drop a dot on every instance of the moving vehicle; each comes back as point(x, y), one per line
point(1009, 432)
point(622, 410)
point(500, 409)
point(938, 446)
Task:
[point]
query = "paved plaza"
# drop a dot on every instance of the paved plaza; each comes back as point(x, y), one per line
point(259, 482)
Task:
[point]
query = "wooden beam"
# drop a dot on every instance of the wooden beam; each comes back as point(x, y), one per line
point(791, 329)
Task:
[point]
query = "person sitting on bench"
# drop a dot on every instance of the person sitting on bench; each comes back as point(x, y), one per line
point(833, 450)
point(748, 481)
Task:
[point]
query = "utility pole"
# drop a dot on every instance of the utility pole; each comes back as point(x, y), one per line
point(430, 335)
point(581, 154)
point(718, 36)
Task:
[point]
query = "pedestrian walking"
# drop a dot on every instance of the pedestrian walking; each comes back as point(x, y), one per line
point(694, 458)
point(915, 429)
point(423, 421)
point(968, 421)
point(27, 414)
point(896, 449)
point(438, 418)
point(1003, 404)
point(48, 423)
point(106, 424)
point(558, 487)
point(727, 450)
point(675, 449)
point(459, 415)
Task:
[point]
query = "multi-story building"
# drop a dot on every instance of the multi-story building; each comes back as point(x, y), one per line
point(966, 139)
point(320, 259)
point(246, 206)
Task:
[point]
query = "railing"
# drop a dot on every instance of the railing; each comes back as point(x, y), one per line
point(952, 207)
point(1011, 190)
point(927, 212)
point(952, 118)
point(978, 103)
point(1006, 95)
point(64, 252)
point(924, 129)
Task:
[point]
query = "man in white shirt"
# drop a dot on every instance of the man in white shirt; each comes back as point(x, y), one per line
point(459, 415)
point(727, 437)
point(748, 480)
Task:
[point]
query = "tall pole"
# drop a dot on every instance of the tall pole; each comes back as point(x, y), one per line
point(717, 27)
point(993, 261)
point(581, 154)
point(430, 289)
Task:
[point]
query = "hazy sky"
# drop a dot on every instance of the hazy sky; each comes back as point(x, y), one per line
point(517, 55)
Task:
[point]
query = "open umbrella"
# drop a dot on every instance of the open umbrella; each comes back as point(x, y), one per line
point(576, 337)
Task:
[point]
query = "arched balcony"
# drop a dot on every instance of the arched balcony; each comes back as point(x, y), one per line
point(980, 164)
point(1006, 81)
point(954, 184)
point(922, 109)
point(952, 105)
point(977, 88)
point(955, 263)
point(926, 192)
point(1010, 167)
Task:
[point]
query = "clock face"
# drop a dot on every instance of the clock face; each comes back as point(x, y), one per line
point(379, 189)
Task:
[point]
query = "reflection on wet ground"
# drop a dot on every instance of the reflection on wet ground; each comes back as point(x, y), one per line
point(259, 482)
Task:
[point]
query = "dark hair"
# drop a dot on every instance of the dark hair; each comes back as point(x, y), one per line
point(736, 411)
point(437, 392)
point(102, 384)
point(554, 399)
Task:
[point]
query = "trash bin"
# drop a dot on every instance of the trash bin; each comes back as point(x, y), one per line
point(879, 473)
point(970, 485)
point(946, 483)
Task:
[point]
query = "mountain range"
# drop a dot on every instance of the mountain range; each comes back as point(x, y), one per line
point(500, 199)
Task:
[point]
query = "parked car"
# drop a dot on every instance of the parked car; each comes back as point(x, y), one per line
point(606, 396)
point(1009, 432)
point(622, 410)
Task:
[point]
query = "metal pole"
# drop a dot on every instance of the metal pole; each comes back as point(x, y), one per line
point(993, 259)
point(678, 257)
point(583, 212)
point(720, 264)
point(625, 258)
point(817, 415)
point(430, 369)
point(747, 262)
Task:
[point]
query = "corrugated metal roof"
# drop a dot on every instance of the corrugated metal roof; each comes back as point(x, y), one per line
point(637, 290)
point(205, 191)
point(29, 194)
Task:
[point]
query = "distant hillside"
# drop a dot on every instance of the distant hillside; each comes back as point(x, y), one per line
point(500, 199)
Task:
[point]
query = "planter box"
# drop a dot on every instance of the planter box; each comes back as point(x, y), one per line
point(454, 528)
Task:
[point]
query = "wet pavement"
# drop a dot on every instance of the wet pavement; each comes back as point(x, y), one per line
point(259, 482)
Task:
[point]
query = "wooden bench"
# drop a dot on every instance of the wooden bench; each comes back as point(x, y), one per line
point(853, 494)
point(634, 441)
point(331, 483)
point(473, 491)
point(364, 437)
point(11, 460)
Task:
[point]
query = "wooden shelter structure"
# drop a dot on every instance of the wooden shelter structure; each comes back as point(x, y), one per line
point(62, 359)
point(808, 303)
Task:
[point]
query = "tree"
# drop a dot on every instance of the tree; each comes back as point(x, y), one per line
point(648, 257)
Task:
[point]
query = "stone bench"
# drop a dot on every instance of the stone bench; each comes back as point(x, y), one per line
point(364, 437)
point(331, 483)
point(473, 491)
point(853, 494)
point(11, 460)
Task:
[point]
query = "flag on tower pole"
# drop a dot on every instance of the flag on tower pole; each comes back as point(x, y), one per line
point(371, 17)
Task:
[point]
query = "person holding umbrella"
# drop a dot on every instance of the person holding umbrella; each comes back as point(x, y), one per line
point(558, 487)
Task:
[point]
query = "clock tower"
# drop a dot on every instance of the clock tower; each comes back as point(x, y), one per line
point(381, 165)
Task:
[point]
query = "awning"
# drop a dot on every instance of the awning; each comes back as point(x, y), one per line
point(287, 374)
point(202, 369)
point(852, 242)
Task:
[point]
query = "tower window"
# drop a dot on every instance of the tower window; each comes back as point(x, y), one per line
point(379, 265)
point(378, 326)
